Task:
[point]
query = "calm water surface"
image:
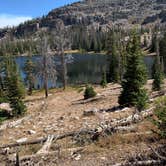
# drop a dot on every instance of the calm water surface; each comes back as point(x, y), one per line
point(81, 68)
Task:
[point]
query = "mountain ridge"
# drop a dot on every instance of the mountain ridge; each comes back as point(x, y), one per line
point(97, 14)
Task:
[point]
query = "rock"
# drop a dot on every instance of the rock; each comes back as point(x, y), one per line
point(76, 156)
point(61, 118)
point(124, 109)
point(21, 140)
point(31, 132)
point(103, 158)
point(99, 129)
point(5, 106)
point(136, 117)
point(90, 112)
point(74, 118)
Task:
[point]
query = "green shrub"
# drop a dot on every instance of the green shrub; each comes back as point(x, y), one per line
point(18, 107)
point(160, 113)
point(89, 92)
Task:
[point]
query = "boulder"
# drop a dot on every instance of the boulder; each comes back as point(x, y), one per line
point(31, 132)
point(90, 112)
point(21, 140)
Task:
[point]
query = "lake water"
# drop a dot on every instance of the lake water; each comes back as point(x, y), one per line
point(81, 68)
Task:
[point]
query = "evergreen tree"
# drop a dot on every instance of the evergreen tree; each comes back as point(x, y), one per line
point(133, 93)
point(103, 82)
point(14, 88)
point(162, 48)
point(2, 94)
point(157, 73)
point(158, 77)
point(29, 70)
point(113, 60)
point(89, 92)
point(160, 116)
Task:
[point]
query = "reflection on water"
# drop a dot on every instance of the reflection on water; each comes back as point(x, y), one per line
point(81, 68)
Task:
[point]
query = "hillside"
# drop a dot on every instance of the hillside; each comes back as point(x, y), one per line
point(97, 14)
point(71, 123)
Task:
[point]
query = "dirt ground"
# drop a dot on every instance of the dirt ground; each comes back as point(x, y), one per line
point(63, 111)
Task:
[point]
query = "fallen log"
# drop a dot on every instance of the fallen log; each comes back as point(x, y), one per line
point(157, 154)
point(13, 123)
point(55, 153)
point(47, 145)
point(71, 134)
point(142, 163)
point(133, 118)
point(43, 139)
point(157, 94)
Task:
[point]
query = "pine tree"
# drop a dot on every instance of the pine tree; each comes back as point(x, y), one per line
point(29, 69)
point(157, 73)
point(133, 93)
point(162, 49)
point(160, 116)
point(157, 76)
point(103, 82)
point(2, 94)
point(113, 60)
point(14, 88)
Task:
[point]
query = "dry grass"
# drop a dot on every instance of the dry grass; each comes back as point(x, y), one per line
point(57, 115)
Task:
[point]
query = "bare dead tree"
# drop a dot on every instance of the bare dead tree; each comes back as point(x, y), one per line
point(46, 68)
point(62, 43)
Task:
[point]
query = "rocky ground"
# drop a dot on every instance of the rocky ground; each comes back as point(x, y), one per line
point(64, 112)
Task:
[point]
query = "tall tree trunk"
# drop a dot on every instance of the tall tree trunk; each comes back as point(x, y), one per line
point(17, 160)
point(46, 87)
point(1, 83)
point(30, 90)
point(45, 76)
point(1, 86)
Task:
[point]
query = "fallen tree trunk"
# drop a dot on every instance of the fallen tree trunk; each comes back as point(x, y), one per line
point(142, 163)
point(47, 145)
point(133, 118)
point(157, 94)
point(72, 134)
point(13, 123)
point(43, 139)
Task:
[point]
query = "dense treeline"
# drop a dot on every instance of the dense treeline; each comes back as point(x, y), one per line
point(82, 39)
point(17, 47)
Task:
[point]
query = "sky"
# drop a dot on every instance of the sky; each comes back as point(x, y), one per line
point(13, 12)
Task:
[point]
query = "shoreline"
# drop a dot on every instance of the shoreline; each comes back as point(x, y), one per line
point(82, 52)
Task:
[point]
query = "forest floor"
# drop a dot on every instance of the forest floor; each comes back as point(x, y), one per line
point(63, 112)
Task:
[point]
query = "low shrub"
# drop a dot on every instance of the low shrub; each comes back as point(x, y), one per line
point(89, 92)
